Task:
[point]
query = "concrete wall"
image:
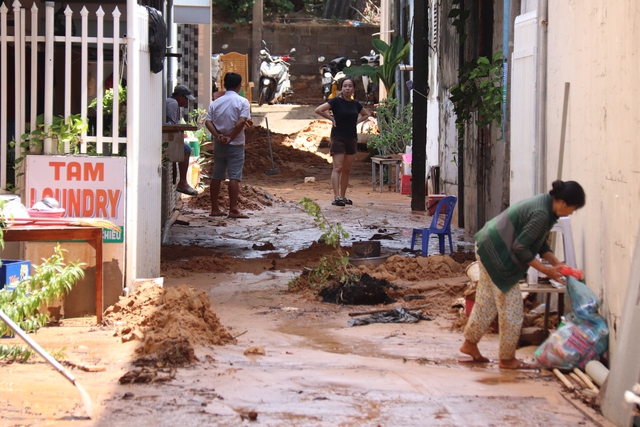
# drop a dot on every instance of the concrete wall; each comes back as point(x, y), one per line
point(595, 46)
point(480, 204)
point(310, 40)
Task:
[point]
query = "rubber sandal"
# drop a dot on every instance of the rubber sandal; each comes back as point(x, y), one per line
point(338, 202)
point(471, 360)
point(347, 201)
point(188, 191)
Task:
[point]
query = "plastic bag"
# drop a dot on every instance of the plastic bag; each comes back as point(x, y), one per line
point(583, 337)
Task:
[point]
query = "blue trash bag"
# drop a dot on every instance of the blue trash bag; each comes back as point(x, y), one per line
point(583, 337)
point(584, 301)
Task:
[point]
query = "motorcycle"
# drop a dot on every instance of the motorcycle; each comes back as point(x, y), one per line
point(370, 88)
point(332, 74)
point(274, 85)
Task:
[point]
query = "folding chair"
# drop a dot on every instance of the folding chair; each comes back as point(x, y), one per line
point(448, 204)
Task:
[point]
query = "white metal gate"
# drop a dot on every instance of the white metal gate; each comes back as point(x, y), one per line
point(77, 61)
point(81, 62)
point(523, 108)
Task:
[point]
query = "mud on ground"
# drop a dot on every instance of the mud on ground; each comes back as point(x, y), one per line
point(249, 350)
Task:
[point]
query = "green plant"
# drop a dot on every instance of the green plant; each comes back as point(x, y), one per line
point(460, 17)
point(52, 279)
point(21, 354)
point(241, 11)
point(392, 55)
point(107, 107)
point(61, 131)
point(395, 129)
point(478, 91)
point(331, 267)
point(197, 118)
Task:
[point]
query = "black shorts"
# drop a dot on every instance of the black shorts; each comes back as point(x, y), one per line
point(343, 145)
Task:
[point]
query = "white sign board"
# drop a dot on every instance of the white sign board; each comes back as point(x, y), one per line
point(86, 187)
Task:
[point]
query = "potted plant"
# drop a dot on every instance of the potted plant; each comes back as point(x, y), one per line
point(395, 128)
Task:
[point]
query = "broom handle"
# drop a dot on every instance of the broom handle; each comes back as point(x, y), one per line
point(34, 345)
point(266, 120)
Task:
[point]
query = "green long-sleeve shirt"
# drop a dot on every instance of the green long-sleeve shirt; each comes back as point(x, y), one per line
point(511, 240)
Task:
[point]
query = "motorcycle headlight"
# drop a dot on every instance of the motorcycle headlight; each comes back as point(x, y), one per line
point(348, 63)
point(328, 75)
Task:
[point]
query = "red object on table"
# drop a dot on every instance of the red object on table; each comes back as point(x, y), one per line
point(54, 213)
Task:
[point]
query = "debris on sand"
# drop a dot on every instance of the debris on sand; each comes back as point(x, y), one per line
point(398, 315)
point(147, 375)
point(415, 269)
point(365, 291)
point(170, 322)
point(256, 350)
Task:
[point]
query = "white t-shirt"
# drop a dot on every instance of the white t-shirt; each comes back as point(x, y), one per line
point(225, 112)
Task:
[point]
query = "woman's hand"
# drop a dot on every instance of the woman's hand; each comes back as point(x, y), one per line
point(553, 272)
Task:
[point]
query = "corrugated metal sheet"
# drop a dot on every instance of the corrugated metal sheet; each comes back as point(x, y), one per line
point(523, 108)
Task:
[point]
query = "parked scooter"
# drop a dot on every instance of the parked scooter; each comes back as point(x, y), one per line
point(332, 74)
point(274, 86)
point(370, 88)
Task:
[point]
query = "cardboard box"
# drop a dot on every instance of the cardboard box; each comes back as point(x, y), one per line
point(14, 270)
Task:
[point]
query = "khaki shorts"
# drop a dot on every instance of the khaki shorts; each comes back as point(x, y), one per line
point(228, 158)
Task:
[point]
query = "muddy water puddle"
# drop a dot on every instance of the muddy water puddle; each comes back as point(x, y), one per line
point(289, 229)
point(325, 340)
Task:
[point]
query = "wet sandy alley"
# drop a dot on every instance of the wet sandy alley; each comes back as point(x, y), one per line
point(315, 370)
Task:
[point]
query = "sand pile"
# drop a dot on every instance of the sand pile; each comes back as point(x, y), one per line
point(250, 198)
point(415, 269)
point(169, 322)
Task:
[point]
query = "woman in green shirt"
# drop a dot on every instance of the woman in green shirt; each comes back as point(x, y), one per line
point(506, 247)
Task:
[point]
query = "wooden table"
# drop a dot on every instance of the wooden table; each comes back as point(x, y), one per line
point(91, 235)
point(548, 289)
point(382, 162)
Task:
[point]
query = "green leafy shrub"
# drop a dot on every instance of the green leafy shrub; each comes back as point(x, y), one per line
point(331, 267)
point(479, 90)
point(395, 129)
point(392, 56)
point(51, 280)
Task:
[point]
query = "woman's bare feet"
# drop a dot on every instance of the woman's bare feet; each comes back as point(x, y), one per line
point(517, 364)
point(471, 349)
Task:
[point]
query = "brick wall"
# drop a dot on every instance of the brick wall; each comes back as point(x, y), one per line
point(310, 40)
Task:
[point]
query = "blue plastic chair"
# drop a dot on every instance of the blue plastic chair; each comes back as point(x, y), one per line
point(448, 204)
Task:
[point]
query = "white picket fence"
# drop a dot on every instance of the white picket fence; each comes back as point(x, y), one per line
point(26, 41)
point(50, 54)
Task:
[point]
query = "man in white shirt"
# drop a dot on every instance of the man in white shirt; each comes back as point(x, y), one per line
point(226, 118)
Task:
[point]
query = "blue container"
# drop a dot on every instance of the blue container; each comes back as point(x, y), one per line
point(14, 270)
